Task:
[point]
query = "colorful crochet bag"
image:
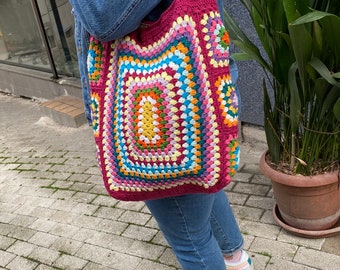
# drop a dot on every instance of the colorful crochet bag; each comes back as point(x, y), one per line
point(164, 107)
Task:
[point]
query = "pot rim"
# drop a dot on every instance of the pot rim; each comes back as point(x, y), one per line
point(297, 180)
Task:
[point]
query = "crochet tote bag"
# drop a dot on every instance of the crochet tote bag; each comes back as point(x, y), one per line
point(164, 107)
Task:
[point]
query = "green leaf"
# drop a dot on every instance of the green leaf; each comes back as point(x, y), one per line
point(321, 68)
point(311, 17)
point(299, 35)
point(243, 42)
point(321, 89)
point(336, 109)
point(332, 96)
point(336, 75)
point(295, 102)
point(241, 57)
point(271, 129)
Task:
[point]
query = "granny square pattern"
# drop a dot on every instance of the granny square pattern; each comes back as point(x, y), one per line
point(164, 107)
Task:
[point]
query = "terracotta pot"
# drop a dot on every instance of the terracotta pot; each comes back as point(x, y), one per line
point(305, 202)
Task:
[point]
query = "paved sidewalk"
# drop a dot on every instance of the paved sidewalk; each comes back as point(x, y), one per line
point(55, 213)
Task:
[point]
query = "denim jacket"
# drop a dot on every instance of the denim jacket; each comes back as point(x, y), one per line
point(111, 19)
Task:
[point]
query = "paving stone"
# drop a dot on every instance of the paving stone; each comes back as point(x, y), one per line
point(41, 202)
point(84, 208)
point(55, 160)
point(5, 258)
point(168, 257)
point(89, 222)
point(152, 223)
point(104, 201)
point(237, 198)
point(64, 230)
point(59, 175)
point(20, 233)
point(259, 229)
point(43, 239)
point(43, 225)
point(332, 245)
point(139, 233)
point(66, 245)
point(44, 255)
point(80, 178)
point(300, 241)
point(85, 187)
point(147, 265)
point(268, 217)
point(260, 190)
point(248, 240)
point(9, 207)
point(24, 221)
point(63, 205)
point(261, 202)
point(95, 266)
point(112, 226)
point(159, 239)
point(83, 197)
point(63, 194)
point(122, 261)
point(131, 206)
point(135, 218)
point(248, 213)
point(9, 189)
point(95, 179)
point(272, 248)
point(99, 189)
point(280, 264)
point(94, 170)
point(242, 177)
point(146, 250)
point(6, 217)
point(44, 267)
point(260, 261)
point(67, 262)
point(62, 184)
point(42, 212)
point(22, 248)
point(6, 242)
point(77, 169)
point(260, 179)
point(109, 213)
point(63, 217)
point(107, 257)
point(20, 263)
point(65, 168)
point(9, 166)
point(251, 167)
point(110, 241)
point(5, 229)
point(317, 259)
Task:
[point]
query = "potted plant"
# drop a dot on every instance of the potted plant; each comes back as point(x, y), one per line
point(302, 123)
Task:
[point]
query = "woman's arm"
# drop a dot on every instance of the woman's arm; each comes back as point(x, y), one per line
point(111, 19)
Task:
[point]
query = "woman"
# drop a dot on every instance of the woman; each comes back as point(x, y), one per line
point(201, 228)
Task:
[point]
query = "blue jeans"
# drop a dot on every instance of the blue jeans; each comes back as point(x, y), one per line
point(200, 228)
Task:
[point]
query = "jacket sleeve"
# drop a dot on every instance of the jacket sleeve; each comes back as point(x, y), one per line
point(111, 19)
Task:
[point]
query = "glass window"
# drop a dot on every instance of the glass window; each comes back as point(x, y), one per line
point(59, 28)
point(21, 41)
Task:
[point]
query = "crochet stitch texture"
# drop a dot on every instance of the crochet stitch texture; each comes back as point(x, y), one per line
point(165, 111)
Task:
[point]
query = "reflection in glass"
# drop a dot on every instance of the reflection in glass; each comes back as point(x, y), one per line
point(20, 39)
point(59, 27)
